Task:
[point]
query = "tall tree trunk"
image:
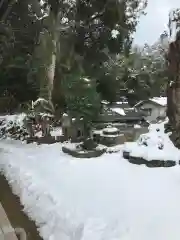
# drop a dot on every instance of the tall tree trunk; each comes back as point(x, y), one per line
point(173, 92)
point(51, 73)
point(47, 51)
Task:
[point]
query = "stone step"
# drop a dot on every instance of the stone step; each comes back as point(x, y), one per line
point(6, 230)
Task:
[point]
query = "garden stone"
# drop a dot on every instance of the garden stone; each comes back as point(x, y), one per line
point(89, 144)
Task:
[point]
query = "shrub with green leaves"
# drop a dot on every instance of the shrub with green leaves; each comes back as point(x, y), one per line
point(81, 97)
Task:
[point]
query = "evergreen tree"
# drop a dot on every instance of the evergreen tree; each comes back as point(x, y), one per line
point(81, 97)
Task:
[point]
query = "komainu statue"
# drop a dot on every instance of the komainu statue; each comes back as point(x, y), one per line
point(44, 112)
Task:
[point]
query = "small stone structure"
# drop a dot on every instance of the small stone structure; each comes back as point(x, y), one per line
point(44, 114)
point(72, 128)
point(87, 149)
point(28, 124)
point(109, 136)
point(152, 163)
point(66, 126)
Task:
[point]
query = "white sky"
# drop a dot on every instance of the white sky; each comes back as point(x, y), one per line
point(153, 24)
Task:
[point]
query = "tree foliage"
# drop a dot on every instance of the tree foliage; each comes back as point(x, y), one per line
point(43, 43)
point(81, 97)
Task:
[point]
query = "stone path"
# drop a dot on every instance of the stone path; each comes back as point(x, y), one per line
point(6, 230)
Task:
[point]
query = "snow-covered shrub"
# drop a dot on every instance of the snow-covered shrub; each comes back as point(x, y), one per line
point(151, 140)
point(13, 126)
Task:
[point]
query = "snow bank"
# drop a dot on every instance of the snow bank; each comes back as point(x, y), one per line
point(98, 199)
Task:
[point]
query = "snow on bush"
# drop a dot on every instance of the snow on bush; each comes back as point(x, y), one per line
point(12, 125)
point(151, 140)
point(154, 145)
point(16, 119)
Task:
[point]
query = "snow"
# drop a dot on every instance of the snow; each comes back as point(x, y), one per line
point(125, 102)
point(46, 115)
point(18, 118)
point(137, 126)
point(104, 198)
point(110, 135)
point(86, 79)
point(110, 129)
point(101, 199)
point(39, 100)
point(114, 33)
point(160, 100)
point(119, 111)
point(9, 120)
point(57, 131)
point(105, 102)
point(154, 140)
point(174, 25)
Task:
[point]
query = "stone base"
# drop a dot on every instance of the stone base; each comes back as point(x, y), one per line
point(46, 140)
point(60, 139)
point(152, 163)
point(113, 141)
point(83, 154)
point(31, 139)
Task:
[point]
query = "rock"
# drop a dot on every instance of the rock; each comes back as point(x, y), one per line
point(150, 164)
point(31, 139)
point(46, 140)
point(126, 155)
point(137, 160)
point(89, 144)
point(83, 154)
point(167, 127)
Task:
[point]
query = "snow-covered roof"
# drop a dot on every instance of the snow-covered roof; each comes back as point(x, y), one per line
point(46, 115)
point(125, 102)
point(137, 126)
point(86, 79)
point(160, 100)
point(104, 102)
point(118, 111)
point(110, 129)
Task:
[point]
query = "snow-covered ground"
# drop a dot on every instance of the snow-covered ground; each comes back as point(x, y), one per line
point(105, 198)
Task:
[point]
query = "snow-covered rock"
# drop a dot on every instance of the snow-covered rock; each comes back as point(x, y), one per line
point(154, 145)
